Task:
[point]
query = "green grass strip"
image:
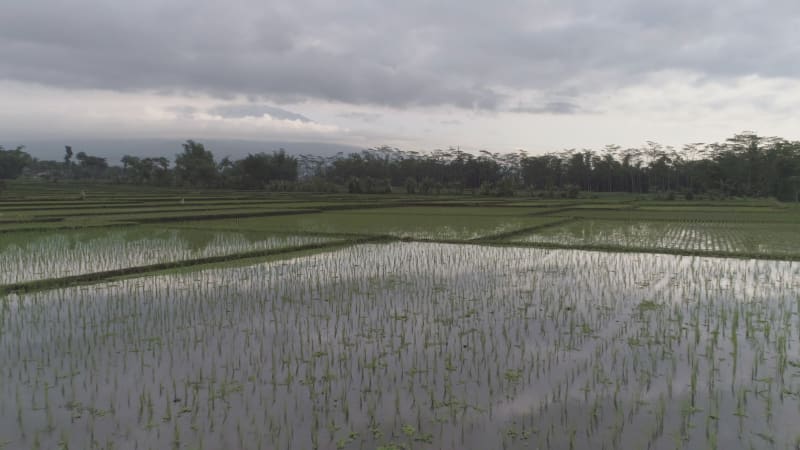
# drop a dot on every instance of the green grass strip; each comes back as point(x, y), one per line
point(183, 218)
point(626, 249)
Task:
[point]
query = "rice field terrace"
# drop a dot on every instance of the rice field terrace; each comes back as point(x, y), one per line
point(238, 320)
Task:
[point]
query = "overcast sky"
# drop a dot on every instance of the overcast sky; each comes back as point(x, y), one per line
point(416, 74)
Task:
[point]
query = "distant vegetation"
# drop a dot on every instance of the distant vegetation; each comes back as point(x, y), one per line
point(746, 165)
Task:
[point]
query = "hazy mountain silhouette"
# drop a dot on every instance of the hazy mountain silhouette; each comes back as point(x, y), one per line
point(114, 149)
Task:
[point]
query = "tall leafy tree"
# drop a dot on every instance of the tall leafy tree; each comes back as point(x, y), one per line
point(68, 155)
point(196, 166)
point(258, 170)
point(12, 162)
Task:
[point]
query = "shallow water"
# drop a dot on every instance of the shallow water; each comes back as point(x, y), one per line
point(413, 222)
point(417, 346)
point(38, 256)
point(768, 239)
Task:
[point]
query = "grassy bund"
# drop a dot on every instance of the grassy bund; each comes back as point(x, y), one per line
point(150, 319)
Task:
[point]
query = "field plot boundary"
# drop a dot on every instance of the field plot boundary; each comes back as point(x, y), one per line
point(69, 227)
point(632, 249)
point(346, 236)
point(128, 211)
point(680, 220)
point(158, 203)
point(520, 231)
point(211, 216)
point(638, 214)
point(43, 219)
point(495, 242)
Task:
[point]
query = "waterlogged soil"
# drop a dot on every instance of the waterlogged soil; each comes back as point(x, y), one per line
point(44, 255)
point(411, 345)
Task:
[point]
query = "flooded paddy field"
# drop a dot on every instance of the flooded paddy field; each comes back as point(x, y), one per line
point(423, 223)
point(412, 345)
point(754, 239)
point(180, 320)
point(44, 255)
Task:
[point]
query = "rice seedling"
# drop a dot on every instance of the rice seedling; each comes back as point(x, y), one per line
point(411, 345)
point(425, 223)
point(775, 240)
point(39, 256)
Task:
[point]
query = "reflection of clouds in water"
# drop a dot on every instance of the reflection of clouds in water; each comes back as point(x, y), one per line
point(690, 284)
point(356, 322)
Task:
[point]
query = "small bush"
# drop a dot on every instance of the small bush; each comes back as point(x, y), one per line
point(411, 185)
point(353, 186)
point(572, 191)
point(427, 186)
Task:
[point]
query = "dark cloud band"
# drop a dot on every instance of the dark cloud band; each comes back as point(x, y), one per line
point(465, 54)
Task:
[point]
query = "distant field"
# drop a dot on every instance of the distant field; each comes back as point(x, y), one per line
point(771, 240)
point(415, 223)
point(761, 228)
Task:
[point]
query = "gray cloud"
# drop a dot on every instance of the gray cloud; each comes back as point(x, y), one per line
point(549, 108)
point(362, 116)
point(398, 54)
point(451, 122)
point(256, 110)
point(183, 111)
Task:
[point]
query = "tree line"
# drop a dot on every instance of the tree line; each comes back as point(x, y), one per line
point(744, 165)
